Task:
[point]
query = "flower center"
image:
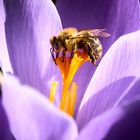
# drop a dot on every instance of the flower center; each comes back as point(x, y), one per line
point(70, 49)
point(68, 67)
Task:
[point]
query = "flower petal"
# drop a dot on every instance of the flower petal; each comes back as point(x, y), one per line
point(4, 125)
point(117, 124)
point(123, 15)
point(115, 76)
point(82, 78)
point(29, 26)
point(32, 116)
point(5, 62)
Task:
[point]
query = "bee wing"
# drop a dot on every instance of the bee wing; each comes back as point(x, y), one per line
point(94, 33)
point(99, 33)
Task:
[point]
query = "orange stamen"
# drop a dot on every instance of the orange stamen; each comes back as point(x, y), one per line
point(68, 69)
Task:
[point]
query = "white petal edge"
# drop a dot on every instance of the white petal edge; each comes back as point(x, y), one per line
point(4, 56)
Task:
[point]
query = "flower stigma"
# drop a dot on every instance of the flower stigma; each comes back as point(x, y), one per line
point(68, 68)
point(70, 49)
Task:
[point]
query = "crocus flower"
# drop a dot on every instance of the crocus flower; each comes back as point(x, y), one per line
point(26, 27)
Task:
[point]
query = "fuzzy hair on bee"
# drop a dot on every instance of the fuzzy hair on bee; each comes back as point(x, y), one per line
point(72, 40)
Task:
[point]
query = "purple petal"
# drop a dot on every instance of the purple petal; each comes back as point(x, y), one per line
point(4, 125)
point(29, 26)
point(132, 92)
point(82, 78)
point(117, 17)
point(115, 76)
point(117, 124)
point(32, 116)
point(5, 62)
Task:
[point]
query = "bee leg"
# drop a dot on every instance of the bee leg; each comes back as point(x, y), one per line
point(74, 47)
point(63, 52)
point(52, 53)
point(57, 54)
point(73, 50)
point(63, 55)
point(72, 54)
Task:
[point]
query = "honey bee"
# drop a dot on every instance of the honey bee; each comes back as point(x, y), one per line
point(71, 40)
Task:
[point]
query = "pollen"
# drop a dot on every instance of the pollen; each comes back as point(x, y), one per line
point(68, 67)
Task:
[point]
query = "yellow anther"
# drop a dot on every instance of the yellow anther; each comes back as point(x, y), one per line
point(52, 91)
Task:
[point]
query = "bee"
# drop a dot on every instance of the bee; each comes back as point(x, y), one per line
point(72, 40)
